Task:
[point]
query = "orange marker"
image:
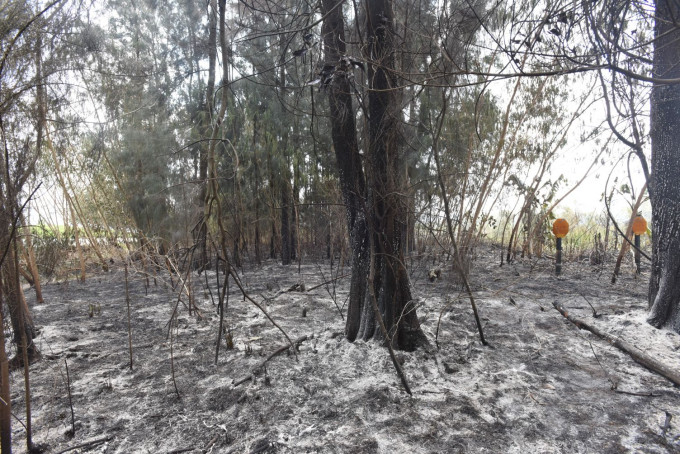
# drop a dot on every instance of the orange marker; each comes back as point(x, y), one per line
point(560, 229)
point(639, 227)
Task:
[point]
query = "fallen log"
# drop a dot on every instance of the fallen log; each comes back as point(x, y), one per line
point(638, 355)
point(275, 353)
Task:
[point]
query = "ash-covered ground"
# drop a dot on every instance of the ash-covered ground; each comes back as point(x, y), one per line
point(541, 386)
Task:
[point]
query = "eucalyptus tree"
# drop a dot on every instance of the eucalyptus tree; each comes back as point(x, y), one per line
point(31, 55)
point(29, 59)
point(375, 214)
point(263, 98)
point(374, 188)
point(280, 63)
point(206, 109)
point(137, 92)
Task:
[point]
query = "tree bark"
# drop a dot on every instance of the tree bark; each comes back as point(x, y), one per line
point(284, 170)
point(20, 316)
point(375, 206)
point(387, 186)
point(272, 202)
point(256, 185)
point(285, 223)
point(31, 261)
point(664, 190)
point(6, 403)
point(350, 170)
point(294, 214)
point(200, 231)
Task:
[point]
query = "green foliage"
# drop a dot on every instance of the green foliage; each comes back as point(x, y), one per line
point(50, 247)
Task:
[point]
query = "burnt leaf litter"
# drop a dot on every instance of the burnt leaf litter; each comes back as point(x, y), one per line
point(540, 386)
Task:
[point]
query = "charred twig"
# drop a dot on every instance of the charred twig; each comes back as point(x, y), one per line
point(207, 285)
point(172, 365)
point(328, 281)
point(275, 353)
point(223, 298)
point(127, 301)
point(638, 394)
point(186, 290)
point(297, 287)
point(595, 314)
point(638, 355)
point(381, 323)
point(70, 399)
point(333, 293)
point(211, 443)
point(237, 281)
point(666, 424)
point(180, 450)
point(88, 444)
point(449, 226)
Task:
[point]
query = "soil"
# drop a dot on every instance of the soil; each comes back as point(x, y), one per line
point(541, 386)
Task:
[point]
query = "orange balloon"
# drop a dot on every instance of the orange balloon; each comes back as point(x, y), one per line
point(639, 225)
point(560, 228)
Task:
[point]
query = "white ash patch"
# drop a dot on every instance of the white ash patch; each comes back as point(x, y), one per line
point(541, 386)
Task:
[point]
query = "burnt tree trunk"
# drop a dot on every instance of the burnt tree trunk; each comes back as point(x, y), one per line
point(294, 214)
point(376, 208)
point(256, 185)
point(200, 230)
point(5, 395)
point(664, 190)
point(20, 316)
point(272, 202)
point(285, 224)
point(284, 170)
point(350, 170)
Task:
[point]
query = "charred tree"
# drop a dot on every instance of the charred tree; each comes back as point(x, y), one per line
point(350, 170)
point(387, 186)
point(285, 225)
point(294, 213)
point(200, 231)
point(376, 209)
point(256, 185)
point(272, 192)
point(664, 190)
point(20, 316)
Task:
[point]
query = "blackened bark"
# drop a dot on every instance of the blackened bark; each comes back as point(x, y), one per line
point(5, 395)
point(272, 187)
point(256, 185)
point(285, 225)
point(200, 231)
point(294, 212)
point(284, 171)
point(387, 186)
point(377, 214)
point(664, 286)
point(350, 170)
